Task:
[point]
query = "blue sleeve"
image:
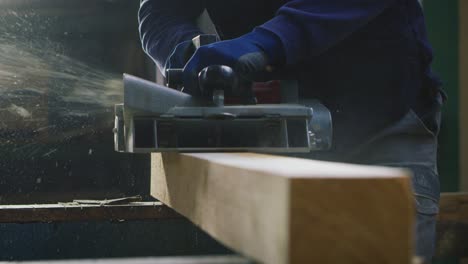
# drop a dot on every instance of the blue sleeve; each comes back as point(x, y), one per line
point(165, 23)
point(309, 27)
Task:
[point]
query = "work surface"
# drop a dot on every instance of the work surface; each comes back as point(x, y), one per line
point(84, 212)
point(452, 226)
point(276, 209)
point(165, 260)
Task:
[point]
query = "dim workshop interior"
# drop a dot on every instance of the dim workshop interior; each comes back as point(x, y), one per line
point(100, 168)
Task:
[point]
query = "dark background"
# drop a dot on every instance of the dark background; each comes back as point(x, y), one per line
point(61, 64)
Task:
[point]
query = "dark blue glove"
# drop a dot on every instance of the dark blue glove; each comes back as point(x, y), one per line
point(248, 55)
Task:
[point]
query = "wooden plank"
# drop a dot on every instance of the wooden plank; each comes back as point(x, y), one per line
point(463, 99)
point(286, 210)
point(161, 260)
point(454, 207)
point(84, 212)
point(452, 226)
point(51, 197)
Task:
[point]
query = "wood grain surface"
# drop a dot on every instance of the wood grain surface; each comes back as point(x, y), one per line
point(286, 210)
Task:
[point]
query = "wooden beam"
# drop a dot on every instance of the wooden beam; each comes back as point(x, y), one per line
point(286, 210)
point(84, 212)
point(463, 99)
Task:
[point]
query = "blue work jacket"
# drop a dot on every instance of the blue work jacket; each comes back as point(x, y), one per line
point(368, 61)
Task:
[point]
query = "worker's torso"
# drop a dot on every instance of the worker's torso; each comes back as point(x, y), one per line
point(368, 80)
point(236, 17)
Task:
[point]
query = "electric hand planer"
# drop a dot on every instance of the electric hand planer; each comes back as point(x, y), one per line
point(156, 118)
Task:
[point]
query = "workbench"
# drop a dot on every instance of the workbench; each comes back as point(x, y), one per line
point(452, 225)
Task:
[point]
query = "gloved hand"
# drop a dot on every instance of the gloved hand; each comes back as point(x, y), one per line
point(247, 55)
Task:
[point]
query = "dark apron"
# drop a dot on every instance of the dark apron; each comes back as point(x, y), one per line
point(385, 113)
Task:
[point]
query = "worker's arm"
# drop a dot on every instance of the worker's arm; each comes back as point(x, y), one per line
point(300, 30)
point(165, 24)
point(309, 27)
